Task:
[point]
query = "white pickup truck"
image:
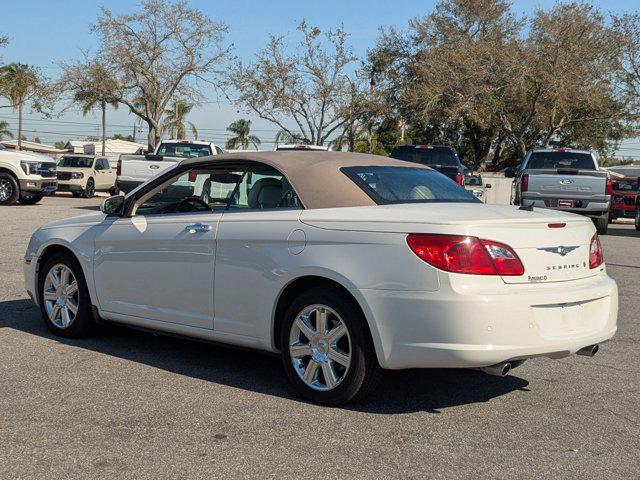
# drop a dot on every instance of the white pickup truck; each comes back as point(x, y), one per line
point(25, 177)
point(134, 170)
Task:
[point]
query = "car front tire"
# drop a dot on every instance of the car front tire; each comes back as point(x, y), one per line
point(326, 348)
point(65, 304)
point(9, 189)
point(89, 189)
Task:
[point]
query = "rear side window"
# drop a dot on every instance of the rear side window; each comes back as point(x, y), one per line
point(555, 160)
point(431, 156)
point(390, 185)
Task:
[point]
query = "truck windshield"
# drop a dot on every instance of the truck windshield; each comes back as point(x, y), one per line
point(426, 155)
point(76, 162)
point(389, 185)
point(184, 150)
point(555, 160)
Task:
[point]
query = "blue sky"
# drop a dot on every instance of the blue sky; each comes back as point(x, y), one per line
point(44, 32)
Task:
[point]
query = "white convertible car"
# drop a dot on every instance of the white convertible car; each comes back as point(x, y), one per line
point(345, 264)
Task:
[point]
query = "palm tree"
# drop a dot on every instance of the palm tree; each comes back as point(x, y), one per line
point(89, 101)
point(4, 130)
point(285, 137)
point(242, 139)
point(17, 82)
point(175, 119)
point(98, 89)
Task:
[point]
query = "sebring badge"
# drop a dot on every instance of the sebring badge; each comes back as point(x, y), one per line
point(562, 251)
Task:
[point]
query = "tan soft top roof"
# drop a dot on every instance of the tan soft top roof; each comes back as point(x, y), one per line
point(314, 175)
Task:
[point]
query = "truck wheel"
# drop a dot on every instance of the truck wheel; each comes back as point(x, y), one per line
point(29, 198)
point(602, 224)
point(90, 189)
point(9, 189)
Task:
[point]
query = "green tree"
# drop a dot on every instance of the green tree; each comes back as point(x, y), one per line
point(4, 130)
point(175, 119)
point(19, 83)
point(60, 145)
point(241, 128)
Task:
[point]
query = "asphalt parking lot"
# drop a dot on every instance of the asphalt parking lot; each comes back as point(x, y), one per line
point(128, 404)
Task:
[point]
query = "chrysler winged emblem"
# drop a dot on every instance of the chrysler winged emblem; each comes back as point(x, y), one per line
point(561, 250)
point(566, 181)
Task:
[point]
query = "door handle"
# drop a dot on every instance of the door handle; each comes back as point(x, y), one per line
point(197, 228)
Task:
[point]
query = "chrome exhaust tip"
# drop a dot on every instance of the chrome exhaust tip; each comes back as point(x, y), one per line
point(589, 351)
point(498, 370)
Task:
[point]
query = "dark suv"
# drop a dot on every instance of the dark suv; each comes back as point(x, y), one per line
point(443, 159)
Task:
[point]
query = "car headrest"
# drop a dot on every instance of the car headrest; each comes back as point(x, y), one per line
point(265, 193)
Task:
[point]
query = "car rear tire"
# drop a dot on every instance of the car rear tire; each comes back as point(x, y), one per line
point(602, 224)
point(9, 189)
point(29, 199)
point(89, 189)
point(64, 299)
point(326, 348)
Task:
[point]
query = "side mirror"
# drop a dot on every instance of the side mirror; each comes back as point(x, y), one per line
point(488, 185)
point(510, 172)
point(113, 205)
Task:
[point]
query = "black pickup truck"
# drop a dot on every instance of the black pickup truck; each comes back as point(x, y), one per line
point(441, 158)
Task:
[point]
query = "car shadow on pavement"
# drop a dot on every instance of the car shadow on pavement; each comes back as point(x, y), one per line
point(623, 232)
point(403, 391)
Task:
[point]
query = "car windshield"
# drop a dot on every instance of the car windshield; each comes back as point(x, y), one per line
point(555, 160)
point(426, 155)
point(630, 185)
point(184, 150)
point(76, 162)
point(390, 185)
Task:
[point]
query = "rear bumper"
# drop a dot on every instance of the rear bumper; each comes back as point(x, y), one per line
point(44, 185)
point(626, 211)
point(592, 207)
point(456, 329)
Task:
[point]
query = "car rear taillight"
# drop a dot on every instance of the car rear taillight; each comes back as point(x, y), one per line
point(463, 254)
point(524, 182)
point(119, 168)
point(609, 186)
point(596, 258)
point(459, 178)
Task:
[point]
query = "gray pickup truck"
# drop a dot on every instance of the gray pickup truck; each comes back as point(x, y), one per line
point(563, 179)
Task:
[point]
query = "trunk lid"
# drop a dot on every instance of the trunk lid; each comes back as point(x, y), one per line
point(548, 254)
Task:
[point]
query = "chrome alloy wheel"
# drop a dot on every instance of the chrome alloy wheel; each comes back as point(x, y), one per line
point(320, 347)
point(61, 296)
point(6, 190)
